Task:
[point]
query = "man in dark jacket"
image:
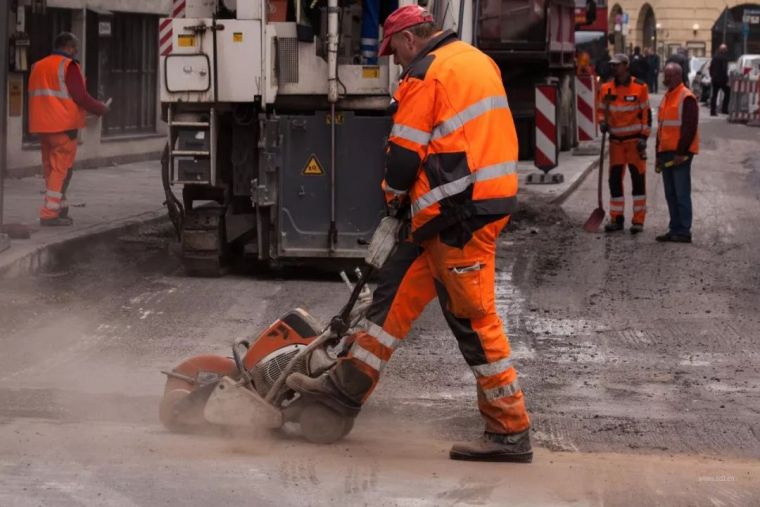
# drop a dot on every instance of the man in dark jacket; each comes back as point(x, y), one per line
point(653, 61)
point(719, 80)
point(681, 57)
point(639, 67)
point(602, 67)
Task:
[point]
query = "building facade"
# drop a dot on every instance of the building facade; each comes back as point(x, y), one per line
point(698, 25)
point(119, 60)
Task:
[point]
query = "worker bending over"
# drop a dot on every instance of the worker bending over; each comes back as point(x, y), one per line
point(451, 160)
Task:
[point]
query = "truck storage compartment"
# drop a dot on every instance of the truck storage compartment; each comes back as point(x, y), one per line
point(512, 24)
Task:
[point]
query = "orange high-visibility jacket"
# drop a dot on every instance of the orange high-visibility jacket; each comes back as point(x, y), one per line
point(629, 114)
point(453, 146)
point(669, 120)
point(51, 108)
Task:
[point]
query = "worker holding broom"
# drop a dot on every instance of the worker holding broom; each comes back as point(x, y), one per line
point(623, 112)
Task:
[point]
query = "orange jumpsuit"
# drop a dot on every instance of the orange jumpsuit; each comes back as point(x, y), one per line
point(629, 120)
point(55, 116)
point(452, 157)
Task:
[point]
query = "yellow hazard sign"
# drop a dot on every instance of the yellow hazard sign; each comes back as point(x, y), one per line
point(237, 36)
point(313, 167)
point(185, 41)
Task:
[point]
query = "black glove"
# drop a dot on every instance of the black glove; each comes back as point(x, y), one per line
point(603, 127)
point(642, 148)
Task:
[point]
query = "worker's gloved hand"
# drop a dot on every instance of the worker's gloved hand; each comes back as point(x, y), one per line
point(603, 127)
point(642, 149)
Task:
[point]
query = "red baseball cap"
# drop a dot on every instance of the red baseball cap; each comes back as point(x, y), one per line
point(401, 19)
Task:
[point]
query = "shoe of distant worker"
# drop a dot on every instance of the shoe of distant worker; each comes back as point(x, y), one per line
point(637, 228)
point(56, 221)
point(674, 238)
point(514, 448)
point(615, 225)
point(323, 390)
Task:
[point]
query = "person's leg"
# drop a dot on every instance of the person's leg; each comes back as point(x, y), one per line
point(637, 167)
point(682, 189)
point(465, 281)
point(61, 152)
point(405, 287)
point(668, 184)
point(617, 200)
point(714, 100)
point(726, 96)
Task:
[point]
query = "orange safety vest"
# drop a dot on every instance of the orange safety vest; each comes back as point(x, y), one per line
point(453, 113)
point(669, 120)
point(629, 115)
point(51, 108)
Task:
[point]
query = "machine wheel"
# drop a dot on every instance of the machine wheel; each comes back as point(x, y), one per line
point(322, 425)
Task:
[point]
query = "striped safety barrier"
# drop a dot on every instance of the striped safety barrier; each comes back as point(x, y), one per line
point(165, 34)
point(584, 107)
point(744, 103)
point(547, 152)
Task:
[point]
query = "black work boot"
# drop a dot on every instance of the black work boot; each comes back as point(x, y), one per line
point(323, 390)
point(513, 448)
point(637, 228)
point(615, 225)
point(56, 222)
point(64, 213)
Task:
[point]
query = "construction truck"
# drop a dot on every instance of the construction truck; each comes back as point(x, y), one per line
point(278, 120)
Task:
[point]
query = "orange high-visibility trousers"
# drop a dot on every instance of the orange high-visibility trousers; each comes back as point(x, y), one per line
point(463, 279)
point(58, 154)
point(622, 154)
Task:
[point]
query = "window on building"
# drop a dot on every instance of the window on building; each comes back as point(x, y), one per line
point(696, 48)
point(128, 61)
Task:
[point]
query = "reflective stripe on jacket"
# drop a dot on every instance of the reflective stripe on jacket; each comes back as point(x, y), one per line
point(453, 145)
point(51, 108)
point(669, 119)
point(629, 115)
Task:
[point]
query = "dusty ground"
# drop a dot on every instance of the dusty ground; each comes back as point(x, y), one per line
point(639, 362)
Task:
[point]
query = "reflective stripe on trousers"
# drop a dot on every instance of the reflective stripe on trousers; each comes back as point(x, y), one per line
point(409, 280)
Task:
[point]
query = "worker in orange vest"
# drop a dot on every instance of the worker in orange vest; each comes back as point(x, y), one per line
point(677, 143)
point(58, 100)
point(451, 163)
point(623, 111)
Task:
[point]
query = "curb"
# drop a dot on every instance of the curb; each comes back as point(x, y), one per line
point(43, 256)
point(87, 164)
point(575, 184)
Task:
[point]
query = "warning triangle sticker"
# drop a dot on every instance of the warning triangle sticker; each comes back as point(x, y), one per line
point(313, 167)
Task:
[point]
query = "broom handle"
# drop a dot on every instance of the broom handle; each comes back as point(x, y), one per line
point(601, 171)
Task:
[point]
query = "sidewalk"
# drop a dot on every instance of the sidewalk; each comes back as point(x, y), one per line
point(110, 198)
point(100, 200)
point(573, 168)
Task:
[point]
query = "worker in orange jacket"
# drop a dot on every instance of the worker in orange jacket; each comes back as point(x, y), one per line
point(677, 143)
point(451, 161)
point(58, 100)
point(624, 112)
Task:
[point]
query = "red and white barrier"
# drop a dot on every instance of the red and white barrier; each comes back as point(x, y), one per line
point(744, 105)
point(165, 34)
point(547, 148)
point(584, 107)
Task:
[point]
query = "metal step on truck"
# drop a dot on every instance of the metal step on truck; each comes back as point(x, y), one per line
point(278, 117)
